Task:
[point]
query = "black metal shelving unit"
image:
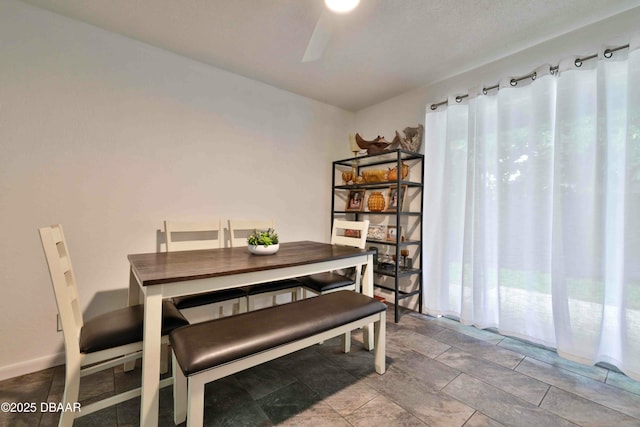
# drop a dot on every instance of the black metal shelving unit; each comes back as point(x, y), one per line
point(412, 217)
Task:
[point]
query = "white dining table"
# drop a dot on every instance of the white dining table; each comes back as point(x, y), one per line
point(159, 275)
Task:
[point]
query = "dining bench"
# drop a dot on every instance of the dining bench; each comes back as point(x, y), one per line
point(207, 351)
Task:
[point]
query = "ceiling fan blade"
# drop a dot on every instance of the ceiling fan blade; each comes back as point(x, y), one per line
point(319, 38)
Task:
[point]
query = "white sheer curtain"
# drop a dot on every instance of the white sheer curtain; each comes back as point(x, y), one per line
point(532, 201)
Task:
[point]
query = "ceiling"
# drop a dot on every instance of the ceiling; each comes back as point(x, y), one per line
point(382, 49)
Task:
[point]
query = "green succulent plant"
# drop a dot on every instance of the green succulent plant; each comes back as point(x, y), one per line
point(263, 237)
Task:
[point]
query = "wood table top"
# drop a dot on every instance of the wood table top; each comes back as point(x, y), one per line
point(166, 267)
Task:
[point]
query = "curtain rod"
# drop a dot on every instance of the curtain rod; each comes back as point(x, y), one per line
point(578, 63)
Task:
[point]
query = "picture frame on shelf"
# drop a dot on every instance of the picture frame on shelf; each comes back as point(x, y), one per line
point(395, 198)
point(355, 201)
point(391, 234)
point(349, 232)
point(377, 232)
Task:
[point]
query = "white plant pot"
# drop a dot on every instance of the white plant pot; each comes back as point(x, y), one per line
point(264, 250)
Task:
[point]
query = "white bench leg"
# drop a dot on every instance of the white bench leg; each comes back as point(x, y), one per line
point(346, 342)
point(195, 401)
point(179, 393)
point(380, 328)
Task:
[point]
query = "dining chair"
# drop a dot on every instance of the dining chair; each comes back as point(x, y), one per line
point(99, 343)
point(346, 233)
point(187, 236)
point(239, 230)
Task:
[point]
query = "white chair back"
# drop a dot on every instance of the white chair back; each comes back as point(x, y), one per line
point(239, 230)
point(189, 236)
point(360, 230)
point(64, 285)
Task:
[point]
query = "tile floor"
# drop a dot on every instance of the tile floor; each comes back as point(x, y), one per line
point(439, 373)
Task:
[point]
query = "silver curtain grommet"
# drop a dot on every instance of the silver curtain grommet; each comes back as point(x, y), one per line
point(513, 82)
point(578, 62)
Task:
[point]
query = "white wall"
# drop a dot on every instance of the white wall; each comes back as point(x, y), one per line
point(109, 137)
point(410, 108)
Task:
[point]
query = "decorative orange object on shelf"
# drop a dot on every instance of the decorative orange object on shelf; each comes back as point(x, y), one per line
point(347, 177)
point(374, 176)
point(376, 202)
point(393, 173)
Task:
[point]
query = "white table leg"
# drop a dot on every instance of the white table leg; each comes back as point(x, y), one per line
point(380, 353)
point(151, 357)
point(134, 299)
point(367, 289)
point(179, 393)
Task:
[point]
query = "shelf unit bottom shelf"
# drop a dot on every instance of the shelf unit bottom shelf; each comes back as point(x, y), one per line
point(399, 296)
point(403, 272)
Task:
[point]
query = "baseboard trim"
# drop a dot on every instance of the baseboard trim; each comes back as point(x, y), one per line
point(29, 366)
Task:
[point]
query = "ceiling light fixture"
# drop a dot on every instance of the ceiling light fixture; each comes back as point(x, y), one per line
point(341, 6)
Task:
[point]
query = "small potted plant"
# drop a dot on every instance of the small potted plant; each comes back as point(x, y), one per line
point(263, 242)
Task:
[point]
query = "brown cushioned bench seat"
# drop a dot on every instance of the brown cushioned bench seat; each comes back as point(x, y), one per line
point(210, 350)
point(205, 345)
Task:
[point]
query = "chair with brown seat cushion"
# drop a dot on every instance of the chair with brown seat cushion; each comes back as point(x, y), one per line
point(331, 281)
point(239, 230)
point(188, 236)
point(100, 343)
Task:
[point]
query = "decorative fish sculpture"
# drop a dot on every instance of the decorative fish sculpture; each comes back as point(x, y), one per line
point(377, 145)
